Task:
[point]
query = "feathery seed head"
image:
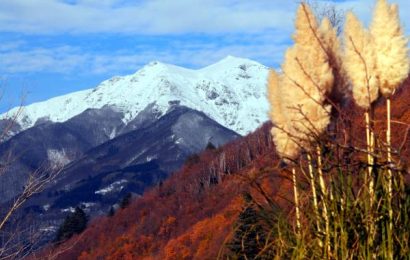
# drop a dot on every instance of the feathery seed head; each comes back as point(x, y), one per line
point(332, 44)
point(274, 98)
point(302, 90)
point(305, 20)
point(360, 62)
point(392, 56)
point(282, 129)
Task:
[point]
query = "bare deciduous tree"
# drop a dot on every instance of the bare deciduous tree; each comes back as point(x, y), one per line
point(16, 238)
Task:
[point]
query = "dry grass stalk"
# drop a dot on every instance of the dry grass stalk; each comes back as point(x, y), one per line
point(392, 67)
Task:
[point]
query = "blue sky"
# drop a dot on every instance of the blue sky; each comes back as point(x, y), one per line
point(53, 47)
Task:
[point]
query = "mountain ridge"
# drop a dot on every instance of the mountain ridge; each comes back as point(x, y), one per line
point(228, 91)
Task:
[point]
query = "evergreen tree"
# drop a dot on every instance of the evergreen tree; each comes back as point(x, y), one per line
point(74, 223)
point(126, 201)
point(210, 146)
point(111, 212)
point(249, 236)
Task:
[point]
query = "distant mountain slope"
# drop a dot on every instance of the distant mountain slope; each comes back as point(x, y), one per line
point(168, 142)
point(131, 162)
point(231, 92)
point(53, 144)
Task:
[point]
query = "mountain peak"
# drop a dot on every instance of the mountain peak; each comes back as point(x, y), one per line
point(158, 64)
point(232, 63)
point(235, 59)
point(231, 92)
point(154, 63)
point(157, 67)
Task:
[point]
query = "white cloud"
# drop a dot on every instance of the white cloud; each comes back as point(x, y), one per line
point(64, 59)
point(258, 30)
point(10, 45)
point(73, 60)
point(144, 17)
point(160, 16)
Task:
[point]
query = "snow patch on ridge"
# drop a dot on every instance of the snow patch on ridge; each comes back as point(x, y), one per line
point(113, 187)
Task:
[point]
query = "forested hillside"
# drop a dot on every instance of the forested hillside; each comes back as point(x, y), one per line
point(195, 214)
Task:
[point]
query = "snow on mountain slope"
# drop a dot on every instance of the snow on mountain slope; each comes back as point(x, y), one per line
point(231, 91)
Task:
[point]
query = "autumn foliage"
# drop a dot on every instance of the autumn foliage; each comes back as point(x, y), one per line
point(190, 215)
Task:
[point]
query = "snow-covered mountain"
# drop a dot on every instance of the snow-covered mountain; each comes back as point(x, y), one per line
point(231, 91)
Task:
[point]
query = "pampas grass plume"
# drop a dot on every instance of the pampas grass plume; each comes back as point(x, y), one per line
point(392, 52)
point(282, 130)
point(360, 62)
